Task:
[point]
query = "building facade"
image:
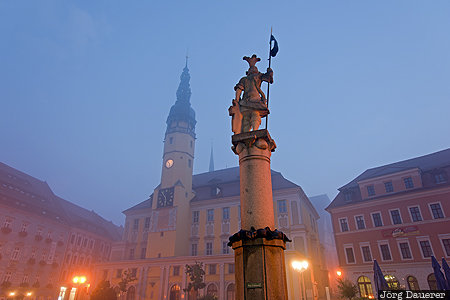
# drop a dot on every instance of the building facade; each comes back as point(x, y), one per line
point(398, 214)
point(189, 218)
point(44, 239)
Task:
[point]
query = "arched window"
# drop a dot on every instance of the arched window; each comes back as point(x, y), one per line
point(212, 290)
point(131, 293)
point(175, 292)
point(432, 282)
point(413, 284)
point(365, 287)
point(231, 294)
point(392, 282)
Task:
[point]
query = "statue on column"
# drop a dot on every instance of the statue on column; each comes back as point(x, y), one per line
point(247, 111)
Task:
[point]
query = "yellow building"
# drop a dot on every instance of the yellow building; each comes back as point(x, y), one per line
point(189, 219)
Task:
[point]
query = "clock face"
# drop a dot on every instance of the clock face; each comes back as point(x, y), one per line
point(169, 163)
point(165, 197)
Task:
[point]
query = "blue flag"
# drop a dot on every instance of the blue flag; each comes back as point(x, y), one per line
point(274, 49)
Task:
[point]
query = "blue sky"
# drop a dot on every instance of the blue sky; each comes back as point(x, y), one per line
point(86, 86)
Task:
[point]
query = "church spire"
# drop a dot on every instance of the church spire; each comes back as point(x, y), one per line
point(211, 160)
point(181, 111)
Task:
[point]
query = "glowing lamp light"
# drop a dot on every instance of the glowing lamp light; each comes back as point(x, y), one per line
point(339, 273)
point(300, 265)
point(29, 294)
point(12, 294)
point(79, 279)
point(371, 297)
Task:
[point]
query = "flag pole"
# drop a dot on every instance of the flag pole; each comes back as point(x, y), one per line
point(268, 84)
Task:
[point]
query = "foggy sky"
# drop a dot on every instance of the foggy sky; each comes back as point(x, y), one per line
point(86, 87)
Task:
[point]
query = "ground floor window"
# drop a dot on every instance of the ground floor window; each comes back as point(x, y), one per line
point(392, 282)
point(231, 294)
point(365, 287)
point(175, 292)
point(432, 282)
point(212, 290)
point(131, 293)
point(413, 284)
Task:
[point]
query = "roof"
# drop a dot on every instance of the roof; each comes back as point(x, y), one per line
point(228, 181)
point(424, 163)
point(142, 205)
point(28, 193)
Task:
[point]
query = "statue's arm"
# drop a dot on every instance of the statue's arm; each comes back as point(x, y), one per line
point(268, 76)
point(239, 88)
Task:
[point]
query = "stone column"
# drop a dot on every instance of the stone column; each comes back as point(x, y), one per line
point(259, 248)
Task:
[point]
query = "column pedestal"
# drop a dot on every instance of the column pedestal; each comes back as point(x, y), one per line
point(260, 269)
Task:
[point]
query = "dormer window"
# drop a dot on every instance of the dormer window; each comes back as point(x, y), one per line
point(440, 178)
point(348, 196)
point(388, 187)
point(370, 190)
point(408, 182)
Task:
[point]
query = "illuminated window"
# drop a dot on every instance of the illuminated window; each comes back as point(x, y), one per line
point(413, 284)
point(365, 287)
point(392, 282)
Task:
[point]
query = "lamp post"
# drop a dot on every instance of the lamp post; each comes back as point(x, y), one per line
point(301, 266)
point(78, 282)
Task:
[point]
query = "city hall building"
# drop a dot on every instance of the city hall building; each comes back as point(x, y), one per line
point(398, 214)
point(189, 218)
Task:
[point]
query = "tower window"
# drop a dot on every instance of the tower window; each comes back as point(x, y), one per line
point(171, 140)
point(192, 144)
point(190, 163)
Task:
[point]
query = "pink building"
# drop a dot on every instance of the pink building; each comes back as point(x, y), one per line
point(398, 214)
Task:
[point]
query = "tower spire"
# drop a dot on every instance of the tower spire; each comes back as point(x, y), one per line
point(211, 159)
point(182, 110)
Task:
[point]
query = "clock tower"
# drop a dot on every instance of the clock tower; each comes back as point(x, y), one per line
point(172, 196)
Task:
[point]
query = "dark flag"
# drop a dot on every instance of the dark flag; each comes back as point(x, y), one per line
point(274, 49)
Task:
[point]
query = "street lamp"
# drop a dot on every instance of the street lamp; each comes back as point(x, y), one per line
point(301, 266)
point(339, 273)
point(78, 281)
